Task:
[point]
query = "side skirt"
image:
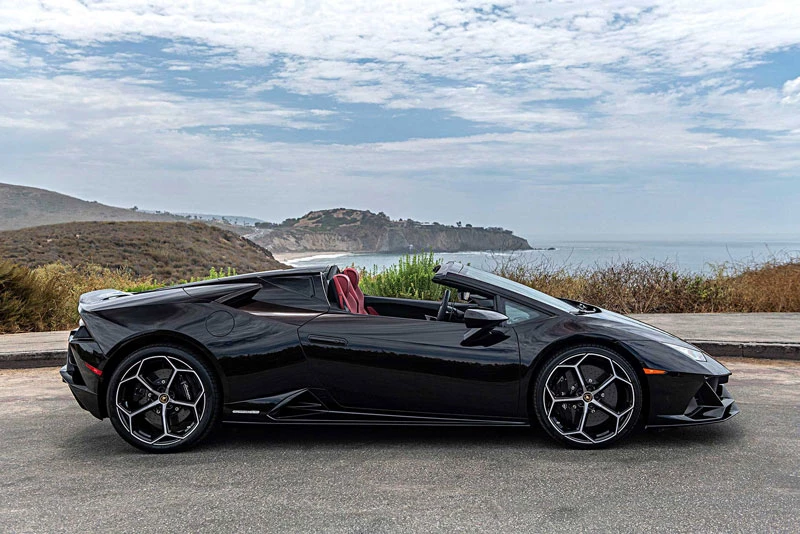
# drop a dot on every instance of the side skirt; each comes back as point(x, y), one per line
point(304, 407)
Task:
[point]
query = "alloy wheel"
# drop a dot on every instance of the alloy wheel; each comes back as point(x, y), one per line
point(589, 398)
point(160, 400)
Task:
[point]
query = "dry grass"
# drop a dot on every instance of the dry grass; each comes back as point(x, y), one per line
point(46, 298)
point(652, 287)
point(771, 287)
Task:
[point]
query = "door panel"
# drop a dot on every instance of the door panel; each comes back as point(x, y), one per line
point(406, 308)
point(373, 362)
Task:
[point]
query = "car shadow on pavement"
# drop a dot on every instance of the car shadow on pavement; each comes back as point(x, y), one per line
point(259, 438)
point(276, 436)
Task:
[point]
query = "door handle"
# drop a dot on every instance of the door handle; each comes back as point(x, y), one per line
point(325, 340)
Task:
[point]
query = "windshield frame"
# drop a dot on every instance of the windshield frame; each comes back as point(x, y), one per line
point(501, 285)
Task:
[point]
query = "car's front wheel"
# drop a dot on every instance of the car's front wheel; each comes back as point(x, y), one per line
point(587, 397)
point(163, 399)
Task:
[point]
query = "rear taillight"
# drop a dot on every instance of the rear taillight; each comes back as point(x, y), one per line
point(94, 369)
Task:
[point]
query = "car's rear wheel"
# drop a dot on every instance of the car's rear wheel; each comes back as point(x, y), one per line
point(163, 399)
point(587, 397)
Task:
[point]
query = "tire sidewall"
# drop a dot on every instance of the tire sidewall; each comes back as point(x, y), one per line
point(556, 359)
point(204, 373)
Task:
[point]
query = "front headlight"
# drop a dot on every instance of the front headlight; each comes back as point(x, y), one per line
point(697, 355)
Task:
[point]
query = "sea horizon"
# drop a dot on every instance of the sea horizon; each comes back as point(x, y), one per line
point(696, 255)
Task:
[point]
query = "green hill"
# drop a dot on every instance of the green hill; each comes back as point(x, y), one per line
point(349, 230)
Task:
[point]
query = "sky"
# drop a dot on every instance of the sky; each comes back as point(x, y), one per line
point(583, 119)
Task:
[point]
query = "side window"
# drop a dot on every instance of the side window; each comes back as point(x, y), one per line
point(518, 313)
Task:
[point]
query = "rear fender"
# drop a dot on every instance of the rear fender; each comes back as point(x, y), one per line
point(130, 345)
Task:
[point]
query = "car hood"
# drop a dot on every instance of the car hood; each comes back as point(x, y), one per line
point(630, 329)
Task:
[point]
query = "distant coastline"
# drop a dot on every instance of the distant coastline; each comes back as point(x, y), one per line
point(685, 256)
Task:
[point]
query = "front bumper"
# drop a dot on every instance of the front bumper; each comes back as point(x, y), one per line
point(700, 400)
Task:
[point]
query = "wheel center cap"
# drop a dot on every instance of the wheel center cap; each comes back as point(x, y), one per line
point(587, 397)
point(164, 398)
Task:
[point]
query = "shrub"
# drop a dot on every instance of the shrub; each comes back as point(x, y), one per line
point(410, 278)
point(771, 286)
point(25, 302)
point(653, 287)
point(46, 298)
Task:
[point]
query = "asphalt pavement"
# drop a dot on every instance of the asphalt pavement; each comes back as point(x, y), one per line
point(64, 471)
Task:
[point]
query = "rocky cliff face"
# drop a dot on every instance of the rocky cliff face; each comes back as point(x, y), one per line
point(362, 231)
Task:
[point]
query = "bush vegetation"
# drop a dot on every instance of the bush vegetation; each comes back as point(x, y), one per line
point(45, 298)
point(623, 286)
point(410, 278)
point(653, 287)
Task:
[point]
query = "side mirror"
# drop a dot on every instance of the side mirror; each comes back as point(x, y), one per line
point(481, 325)
point(483, 319)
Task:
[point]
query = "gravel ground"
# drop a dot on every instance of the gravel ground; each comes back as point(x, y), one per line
point(62, 470)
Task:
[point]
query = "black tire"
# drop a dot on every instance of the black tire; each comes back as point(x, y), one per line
point(138, 401)
point(587, 397)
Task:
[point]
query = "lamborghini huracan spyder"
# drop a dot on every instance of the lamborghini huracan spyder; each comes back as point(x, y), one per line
point(306, 346)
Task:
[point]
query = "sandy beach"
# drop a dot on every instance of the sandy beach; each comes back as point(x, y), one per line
point(289, 257)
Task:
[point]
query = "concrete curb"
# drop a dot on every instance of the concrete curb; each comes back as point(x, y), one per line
point(766, 351)
point(722, 349)
point(24, 360)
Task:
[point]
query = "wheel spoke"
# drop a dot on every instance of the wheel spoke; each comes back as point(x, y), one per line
point(171, 378)
point(571, 399)
point(605, 384)
point(580, 377)
point(145, 408)
point(164, 423)
point(622, 378)
point(606, 409)
point(582, 425)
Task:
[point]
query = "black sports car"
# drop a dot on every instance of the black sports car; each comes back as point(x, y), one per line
point(306, 346)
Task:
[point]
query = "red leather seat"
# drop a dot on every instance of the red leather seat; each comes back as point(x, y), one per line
point(354, 278)
point(347, 297)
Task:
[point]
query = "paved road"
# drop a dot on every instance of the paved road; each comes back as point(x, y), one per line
point(62, 470)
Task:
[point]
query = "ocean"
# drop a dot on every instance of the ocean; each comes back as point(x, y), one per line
point(696, 256)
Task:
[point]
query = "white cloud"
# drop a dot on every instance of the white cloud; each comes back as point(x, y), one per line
point(92, 63)
point(102, 106)
point(658, 85)
point(791, 91)
point(12, 56)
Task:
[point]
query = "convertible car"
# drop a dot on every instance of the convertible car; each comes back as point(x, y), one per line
point(306, 346)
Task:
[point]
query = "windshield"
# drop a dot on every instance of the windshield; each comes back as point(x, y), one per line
point(516, 287)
